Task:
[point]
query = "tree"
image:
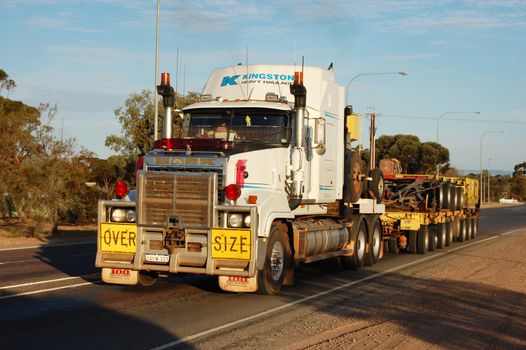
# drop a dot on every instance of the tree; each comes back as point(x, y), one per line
point(5, 82)
point(414, 156)
point(137, 120)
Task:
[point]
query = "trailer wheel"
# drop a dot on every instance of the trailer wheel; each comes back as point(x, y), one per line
point(373, 256)
point(411, 241)
point(444, 195)
point(474, 227)
point(393, 245)
point(452, 197)
point(462, 231)
point(147, 278)
point(460, 198)
point(422, 239)
point(449, 233)
point(455, 228)
point(433, 238)
point(277, 260)
point(467, 223)
point(359, 236)
point(441, 232)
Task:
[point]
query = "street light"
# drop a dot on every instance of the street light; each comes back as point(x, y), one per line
point(362, 74)
point(438, 125)
point(482, 138)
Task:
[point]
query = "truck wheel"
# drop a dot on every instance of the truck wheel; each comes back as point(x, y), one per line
point(393, 245)
point(449, 233)
point(277, 259)
point(147, 278)
point(441, 232)
point(423, 239)
point(433, 238)
point(474, 227)
point(452, 197)
point(462, 231)
point(359, 235)
point(373, 256)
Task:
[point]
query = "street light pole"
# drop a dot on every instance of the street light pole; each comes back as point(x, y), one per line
point(489, 180)
point(438, 125)
point(482, 138)
point(362, 74)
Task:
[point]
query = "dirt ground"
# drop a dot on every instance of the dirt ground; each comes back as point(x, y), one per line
point(17, 234)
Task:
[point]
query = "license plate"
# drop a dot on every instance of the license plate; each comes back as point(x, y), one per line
point(158, 258)
point(118, 238)
point(231, 243)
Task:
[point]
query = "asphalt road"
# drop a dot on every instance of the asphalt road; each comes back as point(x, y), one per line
point(472, 294)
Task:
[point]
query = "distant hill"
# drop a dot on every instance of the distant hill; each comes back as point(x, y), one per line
point(492, 171)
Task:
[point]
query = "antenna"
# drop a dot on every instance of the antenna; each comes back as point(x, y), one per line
point(177, 72)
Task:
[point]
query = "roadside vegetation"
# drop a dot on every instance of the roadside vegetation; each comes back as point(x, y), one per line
point(47, 180)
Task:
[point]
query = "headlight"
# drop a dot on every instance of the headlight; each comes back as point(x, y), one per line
point(235, 220)
point(118, 215)
point(130, 215)
point(247, 221)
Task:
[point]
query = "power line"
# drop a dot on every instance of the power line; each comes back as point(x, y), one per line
point(456, 119)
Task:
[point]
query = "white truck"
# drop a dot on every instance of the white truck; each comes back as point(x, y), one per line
point(260, 176)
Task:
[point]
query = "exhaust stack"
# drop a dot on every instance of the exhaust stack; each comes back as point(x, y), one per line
point(298, 153)
point(168, 94)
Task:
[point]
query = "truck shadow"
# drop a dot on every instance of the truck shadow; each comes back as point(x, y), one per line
point(72, 321)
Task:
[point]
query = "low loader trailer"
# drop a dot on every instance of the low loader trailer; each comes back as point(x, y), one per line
point(428, 212)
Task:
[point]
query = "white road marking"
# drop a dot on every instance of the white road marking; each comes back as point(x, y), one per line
point(317, 295)
point(42, 282)
point(48, 246)
point(48, 290)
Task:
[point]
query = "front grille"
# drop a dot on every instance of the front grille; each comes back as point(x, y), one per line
point(176, 199)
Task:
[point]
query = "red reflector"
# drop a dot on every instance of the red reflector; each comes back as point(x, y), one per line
point(121, 189)
point(139, 165)
point(232, 192)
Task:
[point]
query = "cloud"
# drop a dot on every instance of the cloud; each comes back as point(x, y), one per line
point(62, 23)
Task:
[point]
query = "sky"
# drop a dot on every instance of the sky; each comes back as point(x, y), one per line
point(88, 56)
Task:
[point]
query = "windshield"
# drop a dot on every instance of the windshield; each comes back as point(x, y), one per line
point(265, 127)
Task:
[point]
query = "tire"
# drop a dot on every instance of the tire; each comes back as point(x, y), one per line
point(411, 241)
point(461, 237)
point(375, 235)
point(452, 197)
point(359, 236)
point(147, 278)
point(455, 228)
point(467, 223)
point(441, 232)
point(375, 188)
point(422, 239)
point(433, 238)
point(474, 227)
point(444, 195)
point(460, 198)
point(449, 233)
point(393, 245)
point(277, 259)
point(354, 178)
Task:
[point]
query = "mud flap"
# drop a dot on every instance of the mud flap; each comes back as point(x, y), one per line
point(238, 284)
point(120, 276)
